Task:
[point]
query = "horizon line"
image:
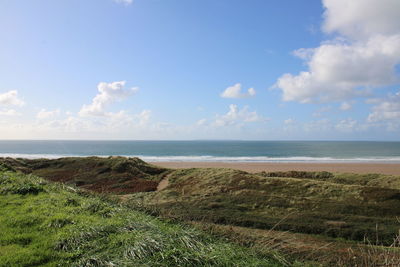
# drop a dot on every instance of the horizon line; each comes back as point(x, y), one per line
point(210, 140)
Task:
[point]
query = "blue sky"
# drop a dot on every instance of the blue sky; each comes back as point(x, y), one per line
point(200, 69)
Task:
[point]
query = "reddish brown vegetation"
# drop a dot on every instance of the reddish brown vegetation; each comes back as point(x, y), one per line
point(106, 175)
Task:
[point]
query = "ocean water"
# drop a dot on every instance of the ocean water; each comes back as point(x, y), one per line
point(226, 151)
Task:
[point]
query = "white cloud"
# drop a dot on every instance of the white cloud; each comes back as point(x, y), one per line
point(337, 70)
point(108, 94)
point(360, 19)
point(345, 106)
point(235, 92)
point(10, 98)
point(237, 116)
point(9, 112)
point(124, 2)
point(46, 114)
point(387, 110)
point(363, 58)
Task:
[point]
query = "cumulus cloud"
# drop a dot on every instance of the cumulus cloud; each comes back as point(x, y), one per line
point(360, 19)
point(363, 57)
point(45, 114)
point(235, 91)
point(108, 94)
point(236, 116)
point(124, 2)
point(10, 98)
point(338, 70)
point(387, 110)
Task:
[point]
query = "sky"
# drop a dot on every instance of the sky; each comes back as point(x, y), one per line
point(200, 69)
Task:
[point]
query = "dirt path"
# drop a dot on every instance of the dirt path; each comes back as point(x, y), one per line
point(163, 184)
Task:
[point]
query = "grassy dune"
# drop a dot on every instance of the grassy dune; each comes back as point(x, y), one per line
point(50, 224)
point(312, 203)
point(316, 216)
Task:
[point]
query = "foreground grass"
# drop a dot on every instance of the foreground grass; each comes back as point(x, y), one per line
point(316, 250)
point(46, 224)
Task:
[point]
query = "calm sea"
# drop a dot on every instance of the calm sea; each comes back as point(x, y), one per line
point(240, 151)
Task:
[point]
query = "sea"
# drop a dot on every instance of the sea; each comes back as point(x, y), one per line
point(213, 151)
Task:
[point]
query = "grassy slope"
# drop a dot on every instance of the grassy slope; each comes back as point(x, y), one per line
point(313, 203)
point(331, 205)
point(50, 224)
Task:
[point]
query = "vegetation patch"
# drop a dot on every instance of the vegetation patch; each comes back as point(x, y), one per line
point(118, 175)
point(60, 225)
point(313, 203)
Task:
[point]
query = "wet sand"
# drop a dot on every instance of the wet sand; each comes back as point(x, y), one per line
point(383, 168)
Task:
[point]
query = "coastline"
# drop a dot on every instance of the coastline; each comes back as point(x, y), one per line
point(345, 167)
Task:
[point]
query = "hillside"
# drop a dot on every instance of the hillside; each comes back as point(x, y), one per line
point(318, 216)
point(51, 224)
point(117, 175)
point(347, 206)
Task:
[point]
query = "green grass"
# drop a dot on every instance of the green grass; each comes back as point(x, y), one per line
point(50, 224)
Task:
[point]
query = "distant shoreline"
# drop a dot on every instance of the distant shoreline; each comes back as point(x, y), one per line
point(350, 167)
point(222, 159)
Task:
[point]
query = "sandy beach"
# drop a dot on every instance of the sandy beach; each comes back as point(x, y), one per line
point(383, 168)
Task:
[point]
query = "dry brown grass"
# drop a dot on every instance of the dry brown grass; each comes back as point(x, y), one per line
point(372, 254)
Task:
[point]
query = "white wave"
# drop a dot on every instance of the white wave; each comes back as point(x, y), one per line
point(33, 156)
point(218, 159)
